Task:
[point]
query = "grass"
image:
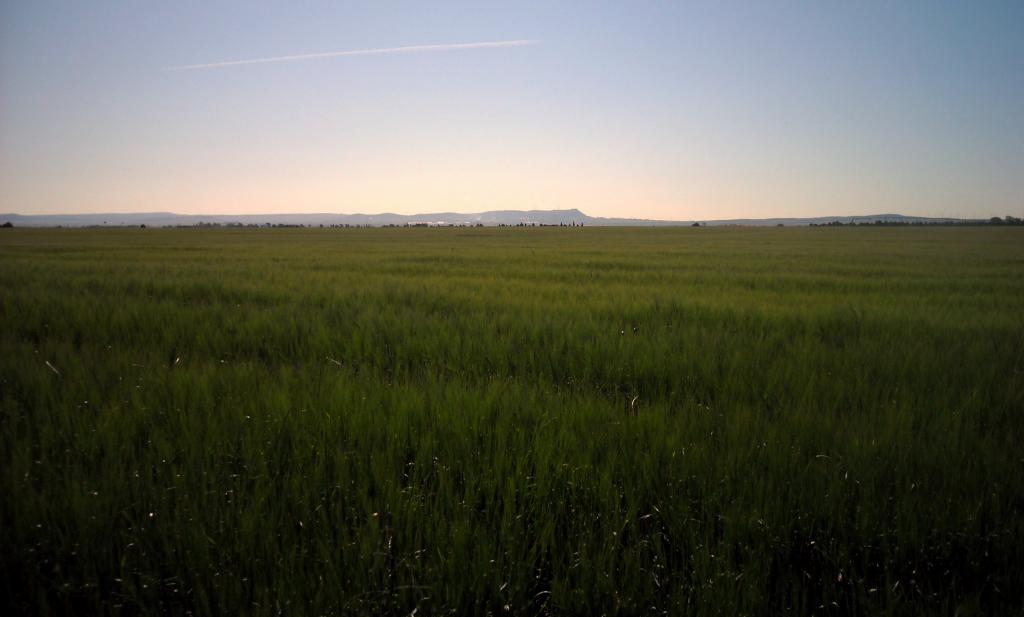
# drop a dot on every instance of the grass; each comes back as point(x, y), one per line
point(512, 421)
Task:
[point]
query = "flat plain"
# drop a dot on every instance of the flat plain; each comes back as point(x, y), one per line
point(512, 421)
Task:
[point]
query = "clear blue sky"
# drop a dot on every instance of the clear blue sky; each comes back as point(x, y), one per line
point(660, 110)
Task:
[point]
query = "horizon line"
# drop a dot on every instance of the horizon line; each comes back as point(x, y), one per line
point(478, 212)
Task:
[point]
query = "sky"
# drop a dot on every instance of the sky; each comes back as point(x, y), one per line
point(666, 110)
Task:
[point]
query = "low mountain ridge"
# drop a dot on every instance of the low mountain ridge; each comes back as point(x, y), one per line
point(488, 218)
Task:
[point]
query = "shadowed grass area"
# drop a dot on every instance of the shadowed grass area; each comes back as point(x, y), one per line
point(372, 421)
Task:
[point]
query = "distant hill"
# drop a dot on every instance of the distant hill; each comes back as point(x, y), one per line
point(489, 218)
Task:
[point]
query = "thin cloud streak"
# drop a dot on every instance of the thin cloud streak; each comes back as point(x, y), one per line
point(360, 52)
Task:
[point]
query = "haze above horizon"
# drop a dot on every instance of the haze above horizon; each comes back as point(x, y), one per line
point(702, 111)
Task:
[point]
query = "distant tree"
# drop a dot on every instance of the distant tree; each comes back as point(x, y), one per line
point(7, 225)
point(695, 225)
point(995, 220)
point(142, 226)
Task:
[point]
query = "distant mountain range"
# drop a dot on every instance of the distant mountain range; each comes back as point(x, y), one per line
point(490, 218)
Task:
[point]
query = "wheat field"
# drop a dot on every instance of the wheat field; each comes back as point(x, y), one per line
point(540, 421)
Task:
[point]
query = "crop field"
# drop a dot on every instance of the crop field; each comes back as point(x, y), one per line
point(470, 421)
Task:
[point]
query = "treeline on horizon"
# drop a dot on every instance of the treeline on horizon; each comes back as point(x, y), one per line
point(995, 220)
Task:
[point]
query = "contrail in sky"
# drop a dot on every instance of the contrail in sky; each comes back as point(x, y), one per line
point(359, 52)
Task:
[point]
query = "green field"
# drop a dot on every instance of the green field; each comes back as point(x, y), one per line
point(512, 421)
